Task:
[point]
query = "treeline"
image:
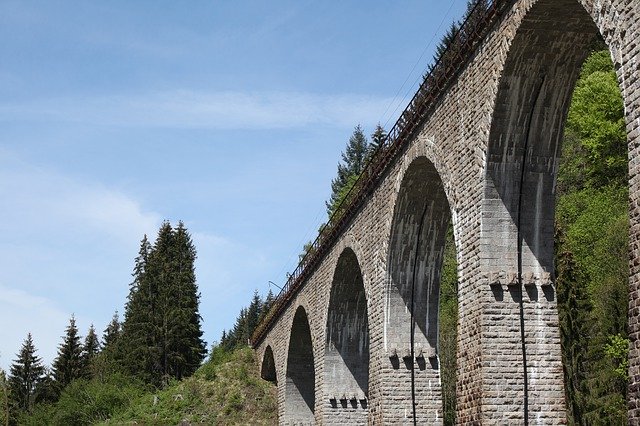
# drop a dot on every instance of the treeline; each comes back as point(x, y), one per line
point(246, 323)
point(159, 340)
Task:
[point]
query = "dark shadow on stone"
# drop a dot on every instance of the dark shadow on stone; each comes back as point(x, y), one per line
point(422, 365)
point(527, 127)
point(268, 370)
point(434, 363)
point(498, 292)
point(395, 362)
point(347, 332)
point(532, 292)
point(549, 293)
point(516, 293)
point(408, 362)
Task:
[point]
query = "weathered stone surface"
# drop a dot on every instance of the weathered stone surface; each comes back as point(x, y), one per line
point(484, 159)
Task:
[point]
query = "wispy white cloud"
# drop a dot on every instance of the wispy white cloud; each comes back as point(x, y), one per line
point(43, 200)
point(191, 109)
point(63, 240)
point(22, 313)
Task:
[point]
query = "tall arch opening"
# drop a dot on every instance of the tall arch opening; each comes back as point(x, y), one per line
point(537, 228)
point(268, 368)
point(346, 354)
point(300, 384)
point(416, 252)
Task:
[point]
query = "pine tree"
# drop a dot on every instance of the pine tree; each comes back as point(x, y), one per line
point(353, 161)
point(111, 333)
point(26, 373)
point(253, 313)
point(574, 312)
point(162, 333)
point(186, 348)
point(90, 349)
point(68, 364)
point(266, 305)
point(139, 343)
point(378, 137)
point(4, 398)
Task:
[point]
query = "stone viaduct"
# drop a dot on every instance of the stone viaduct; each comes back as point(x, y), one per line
point(352, 339)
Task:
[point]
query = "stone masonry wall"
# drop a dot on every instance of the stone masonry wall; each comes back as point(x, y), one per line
point(478, 152)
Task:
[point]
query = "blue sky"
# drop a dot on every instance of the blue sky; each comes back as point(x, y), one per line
point(230, 116)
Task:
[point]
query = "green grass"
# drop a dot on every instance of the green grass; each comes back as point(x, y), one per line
point(226, 390)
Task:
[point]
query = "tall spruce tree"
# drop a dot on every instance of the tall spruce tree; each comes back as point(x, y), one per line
point(68, 365)
point(139, 345)
point(354, 159)
point(4, 398)
point(90, 349)
point(186, 348)
point(378, 137)
point(111, 334)
point(26, 374)
point(162, 333)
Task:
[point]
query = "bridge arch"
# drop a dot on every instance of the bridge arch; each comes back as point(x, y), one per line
point(346, 351)
point(268, 366)
point(540, 69)
point(417, 239)
point(300, 372)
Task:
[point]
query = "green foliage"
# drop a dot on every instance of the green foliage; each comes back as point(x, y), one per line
point(591, 248)
point(111, 333)
point(86, 402)
point(617, 350)
point(448, 327)
point(246, 323)
point(378, 137)
point(225, 390)
point(90, 350)
point(353, 162)
point(162, 333)
point(4, 398)
point(595, 136)
point(25, 377)
point(68, 364)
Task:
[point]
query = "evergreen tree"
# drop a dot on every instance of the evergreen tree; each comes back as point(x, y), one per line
point(90, 348)
point(378, 137)
point(68, 365)
point(266, 305)
point(187, 349)
point(573, 312)
point(353, 161)
point(26, 373)
point(111, 333)
point(139, 343)
point(4, 398)
point(443, 47)
point(162, 333)
point(253, 313)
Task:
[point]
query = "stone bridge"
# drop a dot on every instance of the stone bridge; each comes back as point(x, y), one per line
point(352, 339)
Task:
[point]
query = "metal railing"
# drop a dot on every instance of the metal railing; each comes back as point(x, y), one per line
point(444, 72)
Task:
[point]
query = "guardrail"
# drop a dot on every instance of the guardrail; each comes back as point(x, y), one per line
point(478, 22)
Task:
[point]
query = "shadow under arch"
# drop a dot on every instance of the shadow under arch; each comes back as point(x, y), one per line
point(346, 353)
point(268, 368)
point(300, 378)
point(418, 234)
point(531, 106)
